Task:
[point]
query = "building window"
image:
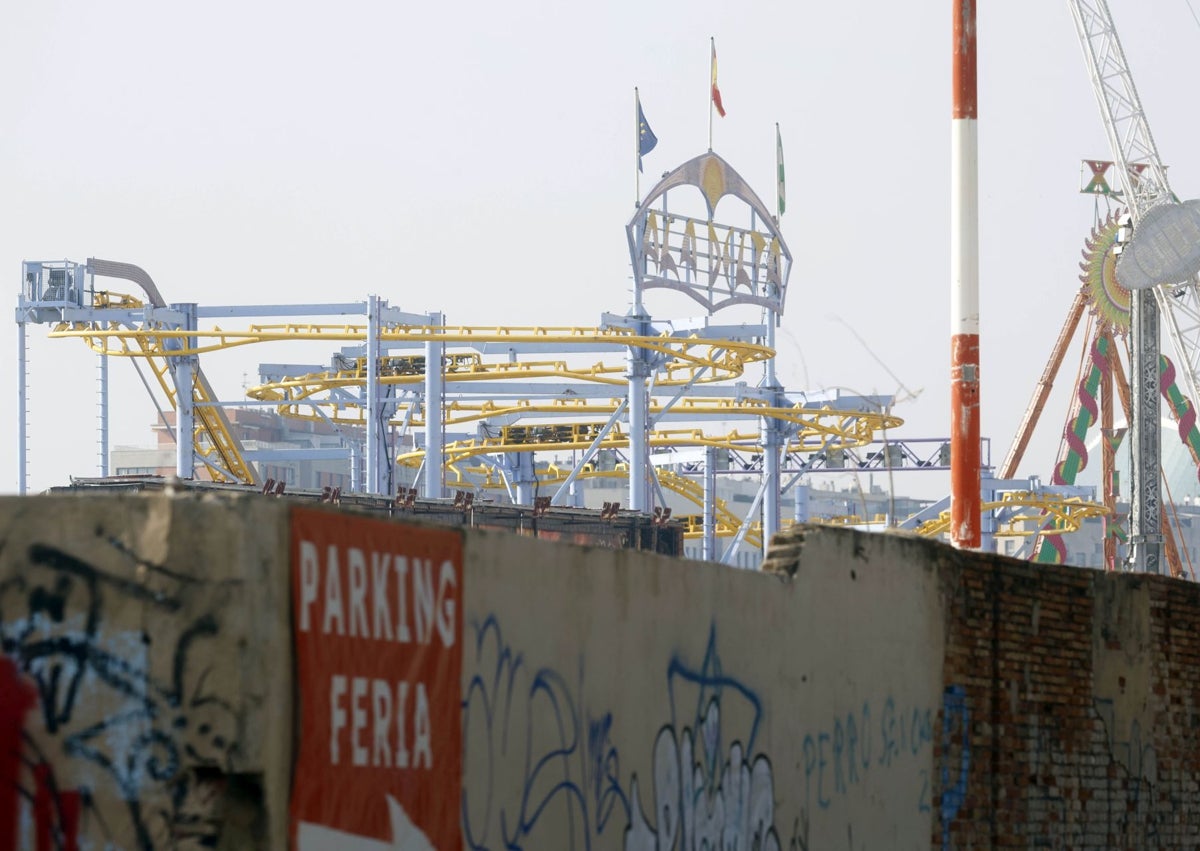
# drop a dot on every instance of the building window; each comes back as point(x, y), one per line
point(287, 475)
point(333, 480)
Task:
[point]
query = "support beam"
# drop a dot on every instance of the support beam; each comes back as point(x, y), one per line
point(356, 471)
point(709, 549)
point(374, 412)
point(639, 453)
point(102, 412)
point(1045, 384)
point(568, 486)
point(1108, 454)
point(434, 424)
point(183, 371)
point(800, 503)
point(22, 410)
point(1145, 485)
point(772, 441)
point(987, 531)
point(524, 476)
point(732, 550)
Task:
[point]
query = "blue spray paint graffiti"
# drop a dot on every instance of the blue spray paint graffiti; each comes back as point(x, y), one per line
point(109, 723)
point(838, 757)
point(552, 774)
point(704, 796)
point(955, 718)
point(540, 755)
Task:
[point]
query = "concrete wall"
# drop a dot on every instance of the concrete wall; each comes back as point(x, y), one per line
point(636, 701)
point(151, 638)
point(866, 691)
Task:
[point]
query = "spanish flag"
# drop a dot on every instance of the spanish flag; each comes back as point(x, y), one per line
point(716, 93)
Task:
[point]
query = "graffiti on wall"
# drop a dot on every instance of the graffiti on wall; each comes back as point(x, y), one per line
point(1130, 800)
point(125, 736)
point(1146, 806)
point(539, 754)
point(710, 788)
point(955, 756)
point(549, 761)
point(1097, 783)
point(544, 769)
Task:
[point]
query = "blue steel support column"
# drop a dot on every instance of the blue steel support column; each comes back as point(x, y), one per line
point(185, 420)
point(103, 413)
point(1145, 487)
point(772, 440)
point(22, 410)
point(434, 426)
point(772, 471)
point(356, 477)
point(524, 476)
point(709, 549)
point(639, 417)
point(800, 503)
point(987, 493)
point(639, 462)
point(184, 372)
point(375, 443)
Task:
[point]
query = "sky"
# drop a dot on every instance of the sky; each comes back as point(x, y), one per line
point(478, 159)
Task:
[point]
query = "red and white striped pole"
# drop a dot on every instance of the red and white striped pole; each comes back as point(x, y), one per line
point(965, 498)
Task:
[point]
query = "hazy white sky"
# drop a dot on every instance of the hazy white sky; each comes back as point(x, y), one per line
point(477, 158)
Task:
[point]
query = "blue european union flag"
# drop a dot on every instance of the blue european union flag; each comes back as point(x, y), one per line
point(646, 138)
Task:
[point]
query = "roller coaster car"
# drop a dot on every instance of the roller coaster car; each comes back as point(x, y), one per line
point(515, 434)
point(408, 365)
point(460, 363)
point(415, 364)
point(549, 434)
point(562, 433)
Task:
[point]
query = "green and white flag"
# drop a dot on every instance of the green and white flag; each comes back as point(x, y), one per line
point(779, 183)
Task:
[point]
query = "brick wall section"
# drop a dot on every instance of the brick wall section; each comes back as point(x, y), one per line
point(1080, 695)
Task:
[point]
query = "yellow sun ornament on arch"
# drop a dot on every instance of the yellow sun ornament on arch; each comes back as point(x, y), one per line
point(1109, 301)
point(712, 181)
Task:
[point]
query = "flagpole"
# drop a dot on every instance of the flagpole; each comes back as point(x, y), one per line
point(637, 149)
point(712, 51)
point(778, 165)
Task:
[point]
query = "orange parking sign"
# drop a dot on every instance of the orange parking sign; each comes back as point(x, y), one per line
point(378, 637)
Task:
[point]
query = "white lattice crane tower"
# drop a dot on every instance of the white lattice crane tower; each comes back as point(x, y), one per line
point(1144, 184)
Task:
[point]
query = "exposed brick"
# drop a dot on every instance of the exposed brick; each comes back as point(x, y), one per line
point(1046, 769)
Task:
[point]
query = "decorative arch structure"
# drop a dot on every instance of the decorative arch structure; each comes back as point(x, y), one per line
point(718, 265)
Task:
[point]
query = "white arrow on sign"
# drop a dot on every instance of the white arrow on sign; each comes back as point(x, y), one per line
point(406, 836)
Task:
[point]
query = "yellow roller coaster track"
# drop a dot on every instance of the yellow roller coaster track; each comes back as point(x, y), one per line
point(818, 427)
point(460, 367)
point(687, 360)
point(565, 437)
point(727, 524)
point(219, 452)
point(726, 358)
point(1066, 513)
